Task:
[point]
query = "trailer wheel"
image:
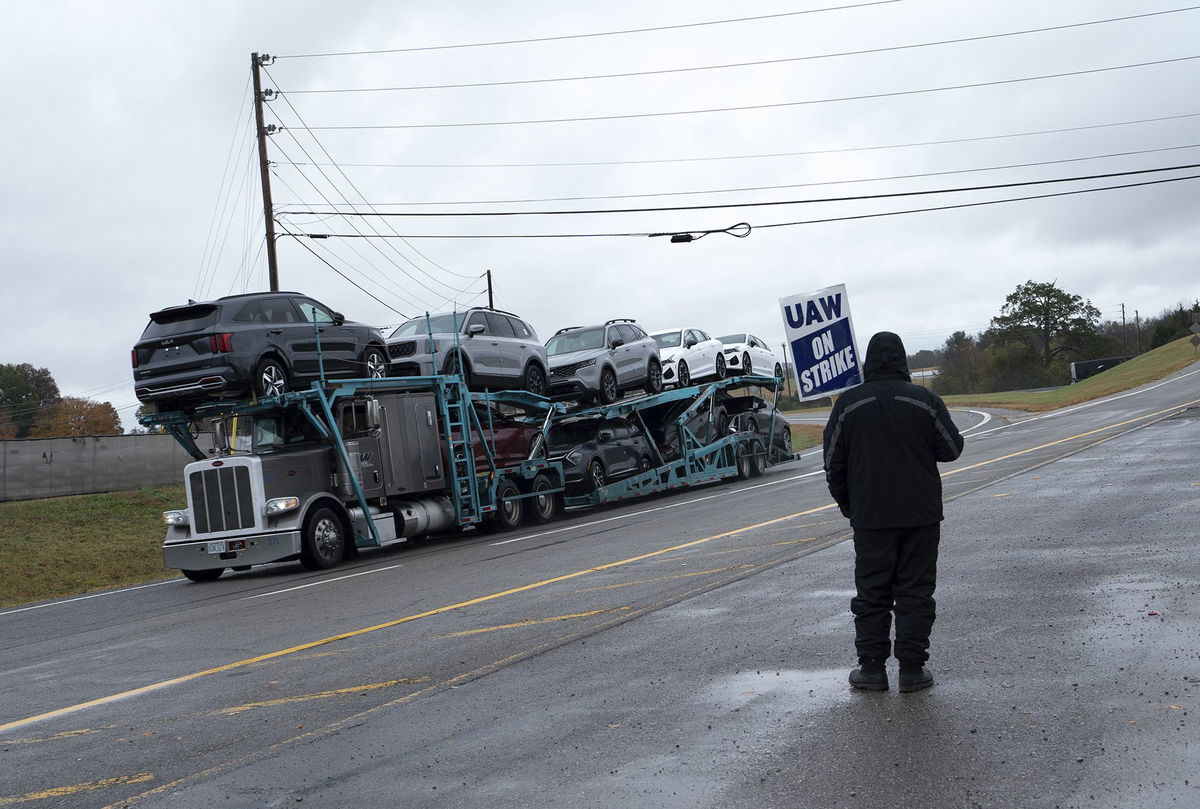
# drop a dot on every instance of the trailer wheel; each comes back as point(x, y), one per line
point(212, 574)
point(545, 504)
point(758, 459)
point(509, 508)
point(324, 540)
point(743, 461)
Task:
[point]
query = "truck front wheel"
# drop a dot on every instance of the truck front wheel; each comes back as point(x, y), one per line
point(212, 574)
point(324, 541)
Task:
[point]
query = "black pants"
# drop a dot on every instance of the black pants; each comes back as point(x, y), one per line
point(895, 569)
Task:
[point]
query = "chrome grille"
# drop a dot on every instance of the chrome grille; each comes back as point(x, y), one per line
point(221, 498)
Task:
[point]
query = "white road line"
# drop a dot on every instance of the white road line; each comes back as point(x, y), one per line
point(322, 581)
point(986, 418)
point(93, 595)
point(1092, 403)
point(656, 508)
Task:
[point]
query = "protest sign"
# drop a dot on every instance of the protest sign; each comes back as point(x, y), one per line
point(820, 335)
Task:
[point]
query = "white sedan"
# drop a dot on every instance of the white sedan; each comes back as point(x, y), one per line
point(746, 354)
point(689, 354)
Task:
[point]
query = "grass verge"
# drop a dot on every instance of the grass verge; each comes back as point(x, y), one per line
point(69, 545)
point(806, 435)
point(1149, 367)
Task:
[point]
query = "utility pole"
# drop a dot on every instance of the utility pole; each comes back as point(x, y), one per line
point(263, 166)
point(1124, 333)
point(491, 305)
point(1137, 330)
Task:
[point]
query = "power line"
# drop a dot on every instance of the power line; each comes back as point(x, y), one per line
point(772, 225)
point(726, 205)
point(757, 63)
point(749, 107)
point(368, 204)
point(348, 278)
point(809, 152)
point(559, 38)
point(769, 187)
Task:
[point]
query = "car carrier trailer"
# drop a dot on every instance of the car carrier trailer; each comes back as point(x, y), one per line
point(318, 474)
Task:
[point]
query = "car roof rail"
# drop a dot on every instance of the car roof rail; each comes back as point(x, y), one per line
point(568, 328)
point(498, 311)
point(620, 320)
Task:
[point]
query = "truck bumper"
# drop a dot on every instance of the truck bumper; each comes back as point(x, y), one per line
point(260, 549)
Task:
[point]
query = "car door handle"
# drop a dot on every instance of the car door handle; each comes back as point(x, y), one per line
point(276, 331)
point(495, 342)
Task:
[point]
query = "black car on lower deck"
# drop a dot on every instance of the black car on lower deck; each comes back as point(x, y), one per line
point(756, 415)
point(257, 344)
point(597, 450)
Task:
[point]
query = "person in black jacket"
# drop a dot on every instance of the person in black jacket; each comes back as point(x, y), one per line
point(882, 445)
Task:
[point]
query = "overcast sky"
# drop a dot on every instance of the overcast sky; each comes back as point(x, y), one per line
point(130, 181)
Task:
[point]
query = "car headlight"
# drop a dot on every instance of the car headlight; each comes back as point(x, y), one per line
point(281, 505)
point(573, 457)
point(731, 351)
point(175, 518)
point(585, 364)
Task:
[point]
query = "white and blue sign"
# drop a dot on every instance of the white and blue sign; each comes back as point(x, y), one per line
point(821, 336)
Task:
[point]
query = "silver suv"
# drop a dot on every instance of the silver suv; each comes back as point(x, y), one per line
point(493, 349)
point(600, 362)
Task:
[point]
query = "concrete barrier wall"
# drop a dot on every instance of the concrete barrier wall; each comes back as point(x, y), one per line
point(52, 467)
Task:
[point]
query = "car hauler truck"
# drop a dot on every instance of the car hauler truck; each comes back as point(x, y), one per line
point(317, 474)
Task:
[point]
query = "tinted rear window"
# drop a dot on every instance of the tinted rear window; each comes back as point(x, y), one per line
point(182, 320)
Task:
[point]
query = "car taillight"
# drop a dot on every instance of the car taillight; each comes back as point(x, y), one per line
point(133, 357)
point(221, 343)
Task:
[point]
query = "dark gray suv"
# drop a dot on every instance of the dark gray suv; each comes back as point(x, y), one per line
point(493, 349)
point(261, 344)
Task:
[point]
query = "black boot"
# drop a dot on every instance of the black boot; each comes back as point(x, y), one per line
point(870, 675)
point(914, 677)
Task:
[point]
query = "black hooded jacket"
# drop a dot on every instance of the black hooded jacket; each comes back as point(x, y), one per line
point(883, 441)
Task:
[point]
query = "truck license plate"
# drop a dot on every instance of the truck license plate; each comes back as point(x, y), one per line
point(216, 547)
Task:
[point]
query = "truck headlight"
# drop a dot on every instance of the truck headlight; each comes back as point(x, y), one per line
point(281, 505)
point(175, 518)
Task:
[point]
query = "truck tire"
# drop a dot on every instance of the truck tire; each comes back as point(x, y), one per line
point(212, 574)
point(545, 505)
point(744, 462)
point(323, 542)
point(509, 508)
point(758, 459)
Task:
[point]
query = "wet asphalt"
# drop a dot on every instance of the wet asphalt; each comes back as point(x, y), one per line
point(571, 671)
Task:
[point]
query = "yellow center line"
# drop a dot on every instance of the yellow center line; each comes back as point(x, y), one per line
point(340, 692)
point(528, 622)
point(76, 789)
point(654, 580)
point(145, 689)
point(133, 692)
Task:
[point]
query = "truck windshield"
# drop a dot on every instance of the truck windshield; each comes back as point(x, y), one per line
point(438, 324)
point(262, 433)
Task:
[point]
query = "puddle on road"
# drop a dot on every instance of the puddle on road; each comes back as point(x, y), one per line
point(802, 689)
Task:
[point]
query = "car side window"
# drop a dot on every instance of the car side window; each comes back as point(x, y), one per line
point(279, 310)
point(499, 325)
point(520, 329)
point(702, 336)
point(250, 313)
point(314, 312)
point(620, 428)
point(694, 336)
point(477, 318)
point(627, 333)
